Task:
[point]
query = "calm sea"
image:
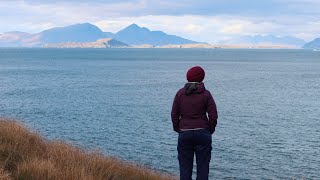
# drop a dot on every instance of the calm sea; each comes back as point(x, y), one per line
point(119, 101)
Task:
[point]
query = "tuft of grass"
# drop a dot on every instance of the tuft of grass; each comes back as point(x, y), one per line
point(26, 155)
point(4, 175)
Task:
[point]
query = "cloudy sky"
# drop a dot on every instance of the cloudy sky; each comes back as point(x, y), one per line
point(200, 20)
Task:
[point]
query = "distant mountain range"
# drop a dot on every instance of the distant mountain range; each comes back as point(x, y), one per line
point(75, 33)
point(86, 32)
point(270, 40)
point(136, 35)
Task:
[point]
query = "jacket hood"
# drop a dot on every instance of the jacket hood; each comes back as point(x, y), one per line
point(194, 88)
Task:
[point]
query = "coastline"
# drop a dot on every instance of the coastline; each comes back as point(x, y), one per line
point(169, 46)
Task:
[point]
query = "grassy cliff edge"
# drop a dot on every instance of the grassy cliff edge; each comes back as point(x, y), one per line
point(26, 155)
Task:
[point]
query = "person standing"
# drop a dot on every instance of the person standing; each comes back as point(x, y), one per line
point(194, 116)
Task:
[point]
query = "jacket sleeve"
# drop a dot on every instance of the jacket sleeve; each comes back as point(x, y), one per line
point(175, 113)
point(212, 113)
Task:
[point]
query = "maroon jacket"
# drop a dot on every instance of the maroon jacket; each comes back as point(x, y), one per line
point(190, 107)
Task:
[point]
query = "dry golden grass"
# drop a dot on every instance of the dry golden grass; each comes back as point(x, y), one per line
point(26, 155)
point(4, 175)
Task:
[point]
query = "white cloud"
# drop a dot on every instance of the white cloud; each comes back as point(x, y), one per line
point(235, 28)
point(215, 28)
point(194, 29)
point(160, 15)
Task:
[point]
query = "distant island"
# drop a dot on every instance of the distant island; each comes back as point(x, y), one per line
point(315, 44)
point(265, 40)
point(112, 43)
point(87, 35)
point(100, 43)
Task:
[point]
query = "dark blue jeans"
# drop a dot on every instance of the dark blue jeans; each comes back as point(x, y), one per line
point(194, 142)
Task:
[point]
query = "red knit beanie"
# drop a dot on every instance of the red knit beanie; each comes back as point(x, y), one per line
point(195, 74)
